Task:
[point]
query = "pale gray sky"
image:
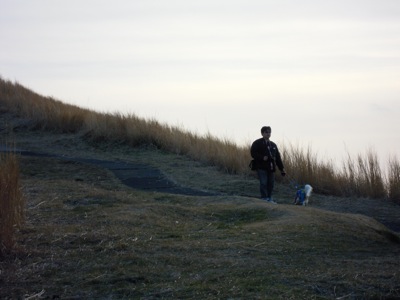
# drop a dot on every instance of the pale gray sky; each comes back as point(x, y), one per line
point(321, 73)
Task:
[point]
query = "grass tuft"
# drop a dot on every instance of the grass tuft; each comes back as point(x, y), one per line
point(394, 180)
point(11, 201)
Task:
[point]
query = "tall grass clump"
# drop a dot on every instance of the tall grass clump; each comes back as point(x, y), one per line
point(394, 180)
point(302, 164)
point(349, 176)
point(364, 176)
point(11, 201)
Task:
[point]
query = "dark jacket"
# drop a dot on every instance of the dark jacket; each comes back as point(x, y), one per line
point(261, 148)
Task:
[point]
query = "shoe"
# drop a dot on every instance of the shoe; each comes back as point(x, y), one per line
point(269, 200)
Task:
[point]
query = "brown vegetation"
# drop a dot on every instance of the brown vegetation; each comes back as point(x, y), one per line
point(394, 180)
point(11, 201)
point(361, 177)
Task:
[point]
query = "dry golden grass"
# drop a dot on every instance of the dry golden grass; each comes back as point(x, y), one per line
point(394, 180)
point(11, 201)
point(359, 177)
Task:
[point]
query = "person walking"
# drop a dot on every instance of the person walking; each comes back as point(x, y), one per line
point(266, 157)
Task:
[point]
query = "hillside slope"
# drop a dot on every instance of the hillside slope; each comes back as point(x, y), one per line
point(87, 235)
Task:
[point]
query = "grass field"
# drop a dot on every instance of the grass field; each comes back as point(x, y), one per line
point(83, 234)
point(87, 236)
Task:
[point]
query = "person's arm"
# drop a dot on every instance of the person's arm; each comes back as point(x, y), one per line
point(255, 152)
point(279, 162)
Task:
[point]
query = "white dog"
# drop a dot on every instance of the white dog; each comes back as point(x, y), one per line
point(303, 195)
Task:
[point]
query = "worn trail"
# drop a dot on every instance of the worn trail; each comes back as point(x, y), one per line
point(135, 175)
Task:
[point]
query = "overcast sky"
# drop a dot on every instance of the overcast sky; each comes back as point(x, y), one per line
point(321, 73)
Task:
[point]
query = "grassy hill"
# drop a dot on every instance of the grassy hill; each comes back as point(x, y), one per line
point(88, 236)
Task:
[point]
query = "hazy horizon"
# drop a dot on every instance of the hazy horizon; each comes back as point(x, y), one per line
point(321, 74)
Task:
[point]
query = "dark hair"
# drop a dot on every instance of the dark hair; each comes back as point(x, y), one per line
point(265, 128)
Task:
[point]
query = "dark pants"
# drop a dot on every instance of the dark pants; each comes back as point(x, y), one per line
point(267, 180)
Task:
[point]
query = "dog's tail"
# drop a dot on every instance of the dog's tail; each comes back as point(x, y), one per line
point(308, 189)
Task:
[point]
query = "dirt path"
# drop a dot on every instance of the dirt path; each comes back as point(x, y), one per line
point(135, 175)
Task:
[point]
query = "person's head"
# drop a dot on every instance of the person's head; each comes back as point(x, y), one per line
point(266, 132)
point(265, 129)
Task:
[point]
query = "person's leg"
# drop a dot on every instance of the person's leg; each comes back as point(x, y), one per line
point(270, 183)
point(262, 176)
